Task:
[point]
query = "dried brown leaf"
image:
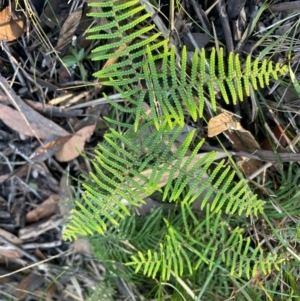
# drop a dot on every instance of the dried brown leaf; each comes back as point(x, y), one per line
point(10, 237)
point(222, 122)
point(65, 194)
point(31, 124)
point(68, 29)
point(43, 210)
point(32, 119)
point(49, 149)
point(30, 283)
point(10, 252)
point(245, 142)
point(75, 145)
point(12, 24)
point(50, 291)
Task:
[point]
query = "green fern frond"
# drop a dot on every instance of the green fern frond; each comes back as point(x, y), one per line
point(169, 258)
point(119, 243)
point(125, 173)
point(239, 198)
point(211, 242)
point(286, 197)
point(182, 93)
point(170, 98)
point(172, 90)
point(121, 176)
point(122, 39)
point(139, 158)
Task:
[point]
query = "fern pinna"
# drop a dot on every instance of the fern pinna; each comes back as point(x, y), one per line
point(139, 159)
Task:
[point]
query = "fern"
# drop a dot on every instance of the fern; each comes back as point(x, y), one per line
point(137, 78)
point(126, 46)
point(127, 180)
point(285, 199)
point(157, 246)
point(115, 247)
point(188, 92)
point(139, 159)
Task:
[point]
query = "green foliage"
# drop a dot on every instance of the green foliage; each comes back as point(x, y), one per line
point(126, 173)
point(139, 159)
point(181, 250)
point(75, 59)
point(103, 292)
point(123, 19)
point(286, 197)
point(137, 66)
point(120, 180)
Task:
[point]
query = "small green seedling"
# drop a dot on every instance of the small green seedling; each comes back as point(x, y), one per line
point(74, 60)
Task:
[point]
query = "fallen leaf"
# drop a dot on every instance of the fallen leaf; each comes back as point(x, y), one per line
point(64, 75)
point(75, 145)
point(43, 210)
point(68, 29)
point(10, 237)
point(33, 122)
point(50, 292)
point(32, 125)
point(10, 252)
point(28, 284)
point(65, 193)
point(245, 142)
point(39, 254)
point(38, 228)
point(86, 22)
point(48, 149)
point(12, 24)
point(223, 122)
point(281, 136)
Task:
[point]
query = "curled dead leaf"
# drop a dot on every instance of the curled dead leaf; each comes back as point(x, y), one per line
point(68, 29)
point(28, 284)
point(223, 122)
point(245, 142)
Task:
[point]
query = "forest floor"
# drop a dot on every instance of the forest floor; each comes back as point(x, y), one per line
point(51, 107)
